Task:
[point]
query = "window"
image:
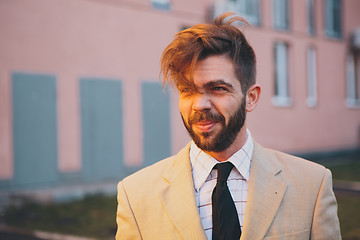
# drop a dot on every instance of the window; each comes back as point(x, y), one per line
point(311, 77)
point(310, 17)
point(281, 14)
point(35, 129)
point(353, 80)
point(156, 122)
point(281, 97)
point(161, 4)
point(333, 18)
point(248, 9)
point(102, 128)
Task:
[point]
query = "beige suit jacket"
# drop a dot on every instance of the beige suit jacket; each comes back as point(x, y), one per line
point(288, 198)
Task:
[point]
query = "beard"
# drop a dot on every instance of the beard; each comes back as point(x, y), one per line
point(227, 134)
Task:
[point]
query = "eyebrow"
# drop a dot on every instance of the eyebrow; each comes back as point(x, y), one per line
point(219, 82)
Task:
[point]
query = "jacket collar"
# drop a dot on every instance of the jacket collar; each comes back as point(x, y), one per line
point(266, 192)
point(178, 197)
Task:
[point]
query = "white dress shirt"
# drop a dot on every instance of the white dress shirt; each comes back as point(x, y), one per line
point(205, 176)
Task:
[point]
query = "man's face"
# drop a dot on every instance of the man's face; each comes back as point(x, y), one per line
point(213, 108)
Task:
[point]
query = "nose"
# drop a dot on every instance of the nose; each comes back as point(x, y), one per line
point(201, 102)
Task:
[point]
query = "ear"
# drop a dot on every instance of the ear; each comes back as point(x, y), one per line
point(252, 97)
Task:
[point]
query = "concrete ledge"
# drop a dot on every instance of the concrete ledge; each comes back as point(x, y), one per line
point(55, 195)
point(346, 185)
point(40, 234)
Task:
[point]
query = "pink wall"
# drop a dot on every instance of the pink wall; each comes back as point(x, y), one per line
point(72, 39)
point(124, 40)
point(299, 128)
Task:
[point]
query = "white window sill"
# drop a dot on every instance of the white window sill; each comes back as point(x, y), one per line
point(279, 101)
point(311, 102)
point(161, 4)
point(353, 103)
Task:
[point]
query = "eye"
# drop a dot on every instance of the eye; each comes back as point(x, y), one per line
point(218, 89)
point(185, 90)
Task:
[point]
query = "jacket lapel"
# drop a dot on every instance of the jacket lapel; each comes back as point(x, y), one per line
point(178, 198)
point(265, 194)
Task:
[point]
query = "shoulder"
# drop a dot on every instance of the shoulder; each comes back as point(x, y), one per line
point(291, 161)
point(308, 187)
point(302, 177)
point(151, 172)
point(290, 167)
point(156, 171)
point(146, 184)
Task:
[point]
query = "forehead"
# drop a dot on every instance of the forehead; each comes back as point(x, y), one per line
point(213, 69)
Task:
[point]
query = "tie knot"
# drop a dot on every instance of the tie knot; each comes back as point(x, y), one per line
point(224, 170)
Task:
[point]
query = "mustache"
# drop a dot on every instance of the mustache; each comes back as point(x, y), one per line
point(205, 116)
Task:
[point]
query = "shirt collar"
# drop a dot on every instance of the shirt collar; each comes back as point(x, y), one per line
point(202, 163)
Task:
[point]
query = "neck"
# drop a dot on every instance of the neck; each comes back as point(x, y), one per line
point(233, 148)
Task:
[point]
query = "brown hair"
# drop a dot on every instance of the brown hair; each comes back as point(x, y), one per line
point(202, 40)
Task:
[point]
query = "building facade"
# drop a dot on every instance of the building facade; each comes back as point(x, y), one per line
point(81, 101)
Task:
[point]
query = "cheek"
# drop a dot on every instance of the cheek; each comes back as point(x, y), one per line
point(227, 110)
point(185, 108)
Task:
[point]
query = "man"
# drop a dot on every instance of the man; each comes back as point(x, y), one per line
point(223, 185)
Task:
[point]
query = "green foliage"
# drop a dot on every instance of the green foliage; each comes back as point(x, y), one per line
point(349, 214)
point(349, 171)
point(93, 216)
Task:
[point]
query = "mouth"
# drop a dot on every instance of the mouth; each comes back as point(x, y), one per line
point(205, 126)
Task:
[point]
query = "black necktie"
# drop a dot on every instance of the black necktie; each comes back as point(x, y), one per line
point(226, 224)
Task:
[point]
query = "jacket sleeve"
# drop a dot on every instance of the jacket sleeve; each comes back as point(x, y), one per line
point(325, 222)
point(127, 227)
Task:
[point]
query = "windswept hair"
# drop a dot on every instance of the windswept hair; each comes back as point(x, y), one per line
point(202, 40)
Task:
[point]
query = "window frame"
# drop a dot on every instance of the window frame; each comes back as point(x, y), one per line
point(353, 80)
point(332, 23)
point(241, 7)
point(281, 17)
point(311, 64)
point(310, 9)
point(161, 4)
point(281, 96)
